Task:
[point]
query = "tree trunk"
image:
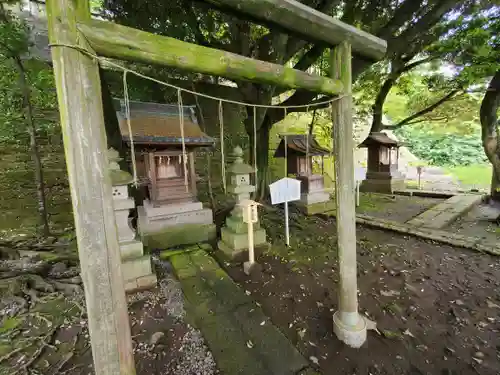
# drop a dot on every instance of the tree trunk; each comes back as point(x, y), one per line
point(378, 106)
point(495, 186)
point(262, 154)
point(489, 131)
point(35, 152)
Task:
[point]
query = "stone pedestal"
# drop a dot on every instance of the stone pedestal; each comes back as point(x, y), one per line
point(383, 182)
point(175, 224)
point(314, 199)
point(136, 267)
point(234, 236)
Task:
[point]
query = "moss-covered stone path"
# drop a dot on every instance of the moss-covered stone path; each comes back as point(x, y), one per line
point(242, 339)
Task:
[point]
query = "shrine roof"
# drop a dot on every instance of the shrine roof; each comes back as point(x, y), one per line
point(297, 144)
point(379, 139)
point(159, 124)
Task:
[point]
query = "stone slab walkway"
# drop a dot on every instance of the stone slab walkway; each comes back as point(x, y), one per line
point(444, 213)
point(240, 336)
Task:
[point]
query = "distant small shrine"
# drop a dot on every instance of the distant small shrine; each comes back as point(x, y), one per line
point(299, 151)
point(382, 174)
point(171, 213)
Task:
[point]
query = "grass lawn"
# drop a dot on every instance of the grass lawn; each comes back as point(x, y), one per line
point(473, 175)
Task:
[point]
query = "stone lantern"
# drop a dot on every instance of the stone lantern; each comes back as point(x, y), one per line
point(234, 236)
point(136, 267)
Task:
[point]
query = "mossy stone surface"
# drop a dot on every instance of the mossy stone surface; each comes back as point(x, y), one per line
point(318, 208)
point(180, 235)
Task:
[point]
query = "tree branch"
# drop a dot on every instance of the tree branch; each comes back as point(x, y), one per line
point(427, 22)
point(422, 112)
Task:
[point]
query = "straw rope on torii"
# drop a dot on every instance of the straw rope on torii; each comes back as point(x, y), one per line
point(181, 119)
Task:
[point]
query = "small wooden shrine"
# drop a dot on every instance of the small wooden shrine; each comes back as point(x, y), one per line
point(165, 162)
point(299, 151)
point(382, 175)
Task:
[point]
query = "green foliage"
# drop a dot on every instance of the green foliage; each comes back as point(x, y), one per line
point(473, 174)
point(14, 35)
point(443, 149)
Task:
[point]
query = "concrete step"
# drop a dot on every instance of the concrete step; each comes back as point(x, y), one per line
point(445, 213)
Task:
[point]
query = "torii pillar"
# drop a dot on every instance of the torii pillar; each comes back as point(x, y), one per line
point(348, 325)
point(82, 124)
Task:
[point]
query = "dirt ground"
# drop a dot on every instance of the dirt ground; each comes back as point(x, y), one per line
point(437, 308)
point(478, 222)
point(53, 338)
point(394, 207)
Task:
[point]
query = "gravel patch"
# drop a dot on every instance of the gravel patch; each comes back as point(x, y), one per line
point(196, 358)
point(174, 301)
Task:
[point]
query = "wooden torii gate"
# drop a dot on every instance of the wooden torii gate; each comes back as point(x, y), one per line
point(75, 37)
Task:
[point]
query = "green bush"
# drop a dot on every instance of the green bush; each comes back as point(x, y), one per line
point(443, 149)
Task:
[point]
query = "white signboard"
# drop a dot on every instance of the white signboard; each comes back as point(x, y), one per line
point(359, 174)
point(285, 190)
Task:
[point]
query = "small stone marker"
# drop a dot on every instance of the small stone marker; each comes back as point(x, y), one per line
point(284, 191)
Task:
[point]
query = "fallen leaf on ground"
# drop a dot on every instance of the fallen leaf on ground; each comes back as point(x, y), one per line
point(390, 293)
point(312, 344)
point(314, 360)
point(408, 333)
point(391, 334)
point(247, 292)
point(250, 344)
point(302, 333)
point(371, 325)
point(263, 322)
point(492, 305)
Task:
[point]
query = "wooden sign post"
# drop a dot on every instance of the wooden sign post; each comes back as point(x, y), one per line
point(284, 191)
point(419, 173)
point(250, 217)
point(359, 175)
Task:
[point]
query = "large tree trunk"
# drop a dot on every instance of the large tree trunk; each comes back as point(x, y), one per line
point(261, 153)
point(35, 152)
point(489, 131)
point(378, 106)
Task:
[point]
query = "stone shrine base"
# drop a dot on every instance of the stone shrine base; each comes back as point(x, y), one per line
point(136, 267)
point(225, 254)
point(187, 234)
point(174, 225)
point(316, 208)
point(382, 184)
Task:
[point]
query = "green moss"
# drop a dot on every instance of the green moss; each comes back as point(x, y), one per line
point(180, 235)
point(319, 208)
point(5, 349)
point(119, 177)
point(10, 324)
point(183, 266)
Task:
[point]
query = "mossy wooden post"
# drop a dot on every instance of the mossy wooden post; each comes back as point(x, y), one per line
point(348, 325)
point(82, 122)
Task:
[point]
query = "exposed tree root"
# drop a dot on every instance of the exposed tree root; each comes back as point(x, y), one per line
point(45, 343)
point(66, 358)
point(67, 289)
